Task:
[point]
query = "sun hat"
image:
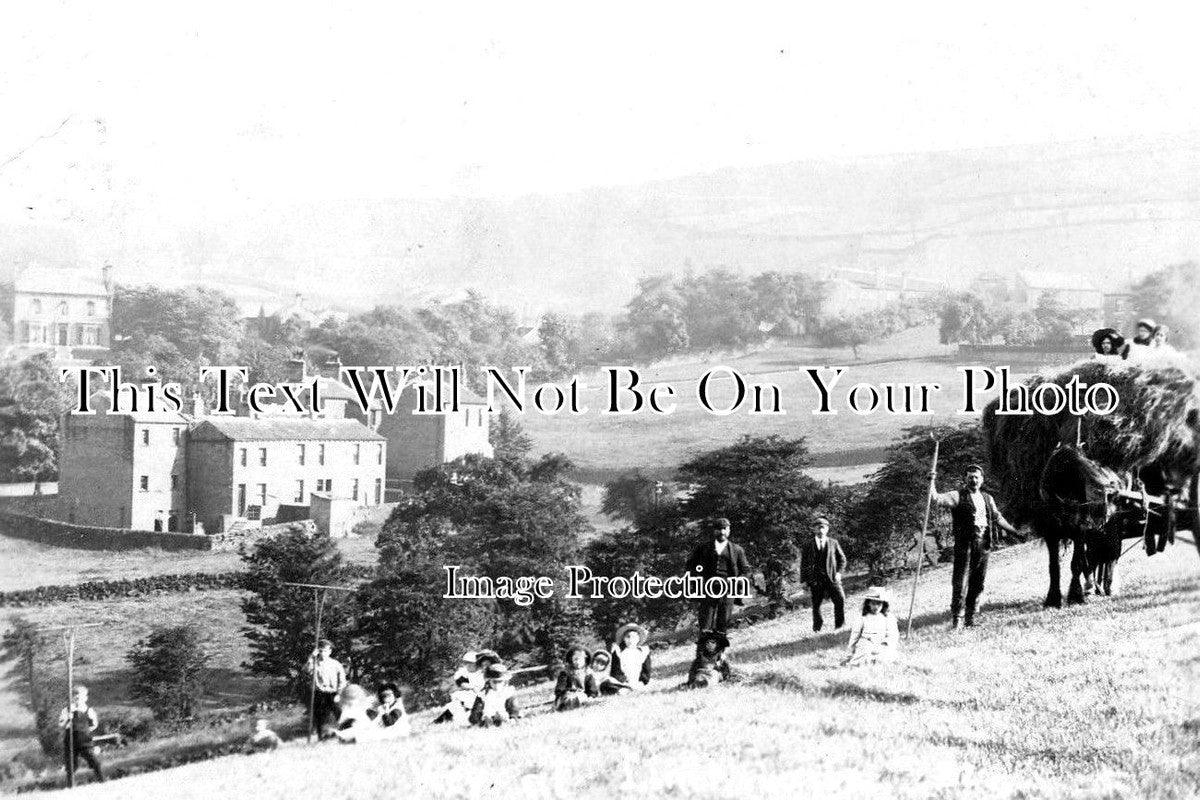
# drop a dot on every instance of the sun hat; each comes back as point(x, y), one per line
point(470, 657)
point(1107, 333)
point(599, 655)
point(489, 654)
point(713, 636)
point(619, 639)
point(496, 672)
point(577, 648)
point(880, 594)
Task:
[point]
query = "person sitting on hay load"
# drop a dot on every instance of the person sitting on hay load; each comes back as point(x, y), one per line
point(1141, 459)
point(1143, 340)
point(1107, 343)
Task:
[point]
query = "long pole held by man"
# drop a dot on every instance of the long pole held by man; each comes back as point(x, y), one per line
point(912, 603)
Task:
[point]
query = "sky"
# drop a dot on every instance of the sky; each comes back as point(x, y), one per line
point(218, 106)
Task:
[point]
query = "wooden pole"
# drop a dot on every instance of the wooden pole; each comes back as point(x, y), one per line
point(312, 686)
point(912, 603)
point(69, 636)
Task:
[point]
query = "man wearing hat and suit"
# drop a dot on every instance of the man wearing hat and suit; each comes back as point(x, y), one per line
point(722, 558)
point(821, 565)
point(976, 522)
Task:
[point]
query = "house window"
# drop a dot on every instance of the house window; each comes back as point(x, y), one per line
point(321, 454)
point(145, 436)
point(324, 484)
point(467, 417)
point(144, 483)
point(174, 482)
point(35, 306)
point(357, 453)
point(378, 491)
point(241, 499)
point(62, 308)
point(175, 435)
point(354, 490)
point(262, 456)
point(378, 454)
point(91, 308)
point(262, 494)
point(242, 456)
point(299, 491)
point(300, 453)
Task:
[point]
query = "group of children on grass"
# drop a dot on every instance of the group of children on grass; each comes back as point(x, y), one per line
point(482, 694)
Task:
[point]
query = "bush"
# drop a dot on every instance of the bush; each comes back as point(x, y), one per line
point(170, 671)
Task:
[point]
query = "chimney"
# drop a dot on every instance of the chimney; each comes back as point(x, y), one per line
point(197, 405)
point(297, 367)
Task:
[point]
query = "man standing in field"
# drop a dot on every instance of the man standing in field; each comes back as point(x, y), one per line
point(721, 558)
point(976, 522)
point(821, 565)
point(329, 678)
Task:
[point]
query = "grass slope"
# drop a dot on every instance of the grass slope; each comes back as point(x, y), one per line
point(1096, 701)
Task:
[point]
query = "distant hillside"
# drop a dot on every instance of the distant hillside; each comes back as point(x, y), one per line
point(1113, 209)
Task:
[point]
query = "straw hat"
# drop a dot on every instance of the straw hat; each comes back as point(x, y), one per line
point(619, 639)
point(880, 594)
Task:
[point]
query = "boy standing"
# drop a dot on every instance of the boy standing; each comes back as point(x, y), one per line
point(329, 678)
point(78, 722)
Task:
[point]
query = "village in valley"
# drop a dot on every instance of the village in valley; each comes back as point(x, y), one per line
point(417, 402)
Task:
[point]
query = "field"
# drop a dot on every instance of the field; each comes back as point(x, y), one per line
point(604, 445)
point(1092, 701)
point(26, 565)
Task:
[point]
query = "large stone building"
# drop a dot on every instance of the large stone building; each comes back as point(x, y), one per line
point(242, 467)
point(165, 471)
point(125, 470)
point(420, 441)
point(64, 311)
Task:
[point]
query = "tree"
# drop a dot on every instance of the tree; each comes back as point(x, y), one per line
point(789, 303)
point(964, 317)
point(655, 319)
point(719, 310)
point(170, 668)
point(32, 402)
point(852, 331)
point(629, 496)
point(1054, 319)
point(1171, 295)
point(492, 518)
point(560, 345)
point(510, 443)
point(176, 331)
point(282, 618)
point(761, 486)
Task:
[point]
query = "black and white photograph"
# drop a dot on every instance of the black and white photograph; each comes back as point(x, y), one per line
point(641, 400)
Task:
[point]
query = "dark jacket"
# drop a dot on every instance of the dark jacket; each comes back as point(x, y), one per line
point(716, 662)
point(705, 555)
point(962, 515)
point(572, 681)
point(813, 569)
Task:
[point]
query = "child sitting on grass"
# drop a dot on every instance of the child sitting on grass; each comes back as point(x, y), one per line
point(876, 635)
point(710, 665)
point(462, 698)
point(575, 680)
point(630, 659)
point(497, 703)
point(262, 739)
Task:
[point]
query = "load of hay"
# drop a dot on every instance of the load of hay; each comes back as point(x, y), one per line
point(1157, 422)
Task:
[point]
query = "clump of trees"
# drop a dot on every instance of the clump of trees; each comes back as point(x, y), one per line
point(965, 317)
point(32, 401)
point(170, 671)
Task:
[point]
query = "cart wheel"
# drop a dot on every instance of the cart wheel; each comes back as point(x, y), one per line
point(1193, 512)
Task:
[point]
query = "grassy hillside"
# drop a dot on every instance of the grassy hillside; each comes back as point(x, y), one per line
point(1096, 701)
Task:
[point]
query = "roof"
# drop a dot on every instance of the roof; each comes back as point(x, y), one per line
point(280, 428)
point(1057, 281)
point(60, 280)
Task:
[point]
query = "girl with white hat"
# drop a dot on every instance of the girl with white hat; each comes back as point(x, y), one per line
point(876, 635)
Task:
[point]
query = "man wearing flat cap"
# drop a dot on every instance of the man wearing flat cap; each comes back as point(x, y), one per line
point(821, 565)
point(718, 557)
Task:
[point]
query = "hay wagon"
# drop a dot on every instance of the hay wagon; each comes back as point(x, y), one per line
point(1098, 480)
